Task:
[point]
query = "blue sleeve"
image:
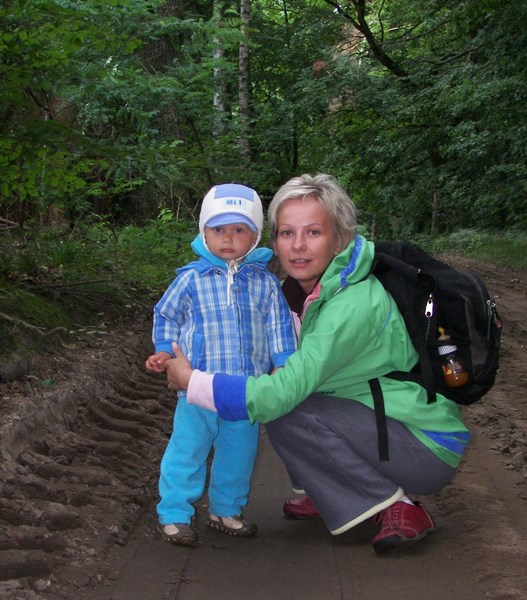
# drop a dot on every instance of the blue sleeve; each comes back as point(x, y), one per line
point(229, 397)
point(280, 327)
point(169, 313)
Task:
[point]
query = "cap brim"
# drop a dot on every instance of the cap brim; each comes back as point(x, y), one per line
point(230, 219)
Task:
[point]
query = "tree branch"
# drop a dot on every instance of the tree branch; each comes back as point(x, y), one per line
point(22, 323)
point(361, 25)
point(7, 224)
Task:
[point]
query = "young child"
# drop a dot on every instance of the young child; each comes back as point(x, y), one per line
point(227, 313)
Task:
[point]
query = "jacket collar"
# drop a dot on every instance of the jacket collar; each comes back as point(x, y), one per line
point(258, 256)
point(349, 267)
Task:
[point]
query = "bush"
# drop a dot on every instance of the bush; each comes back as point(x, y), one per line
point(508, 249)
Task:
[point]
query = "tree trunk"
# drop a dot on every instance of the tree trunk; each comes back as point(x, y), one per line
point(220, 85)
point(435, 215)
point(244, 83)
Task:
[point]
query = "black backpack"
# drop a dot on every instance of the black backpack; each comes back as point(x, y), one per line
point(431, 294)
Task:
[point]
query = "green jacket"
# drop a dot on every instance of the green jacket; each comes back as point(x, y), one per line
point(352, 333)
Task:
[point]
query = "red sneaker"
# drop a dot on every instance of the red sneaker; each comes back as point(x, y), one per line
point(300, 508)
point(402, 524)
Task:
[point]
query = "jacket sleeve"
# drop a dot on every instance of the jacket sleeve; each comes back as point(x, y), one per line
point(280, 328)
point(229, 397)
point(223, 394)
point(169, 314)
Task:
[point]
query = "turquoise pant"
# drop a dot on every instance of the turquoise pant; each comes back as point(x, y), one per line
point(183, 470)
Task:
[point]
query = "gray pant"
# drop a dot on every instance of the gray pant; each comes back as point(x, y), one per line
point(329, 447)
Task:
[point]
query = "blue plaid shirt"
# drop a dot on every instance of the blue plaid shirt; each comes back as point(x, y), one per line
point(245, 331)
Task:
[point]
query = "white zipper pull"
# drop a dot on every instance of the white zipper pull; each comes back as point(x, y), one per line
point(429, 308)
point(429, 311)
point(232, 269)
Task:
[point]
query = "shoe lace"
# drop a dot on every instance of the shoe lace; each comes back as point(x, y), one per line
point(390, 517)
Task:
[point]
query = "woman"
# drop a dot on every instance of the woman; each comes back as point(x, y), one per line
point(318, 408)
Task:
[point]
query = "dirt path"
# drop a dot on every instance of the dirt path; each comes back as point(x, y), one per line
point(78, 474)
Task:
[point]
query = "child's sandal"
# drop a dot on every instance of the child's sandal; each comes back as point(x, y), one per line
point(235, 525)
point(181, 534)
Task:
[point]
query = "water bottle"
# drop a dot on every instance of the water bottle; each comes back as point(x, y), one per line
point(453, 369)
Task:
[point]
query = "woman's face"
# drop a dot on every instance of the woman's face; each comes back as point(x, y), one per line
point(305, 240)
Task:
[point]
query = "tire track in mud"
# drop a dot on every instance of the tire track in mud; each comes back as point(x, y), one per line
point(78, 465)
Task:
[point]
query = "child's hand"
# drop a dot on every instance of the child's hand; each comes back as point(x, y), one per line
point(156, 363)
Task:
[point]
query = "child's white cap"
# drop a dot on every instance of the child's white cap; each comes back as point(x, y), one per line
point(231, 203)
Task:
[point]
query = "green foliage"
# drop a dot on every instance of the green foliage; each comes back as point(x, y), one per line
point(61, 278)
point(47, 47)
point(107, 108)
point(25, 320)
point(450, 136)
point(109, 133)
point(32, 309)
point(132, 260)
point(149, 256)
point(508, 249)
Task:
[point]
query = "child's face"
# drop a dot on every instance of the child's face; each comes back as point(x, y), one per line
point(230, 241)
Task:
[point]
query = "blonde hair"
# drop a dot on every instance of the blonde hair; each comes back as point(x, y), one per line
point(337, 203)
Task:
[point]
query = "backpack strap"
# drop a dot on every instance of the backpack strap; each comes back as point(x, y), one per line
point(380, 419)
point(422, 374)
point(397, 276)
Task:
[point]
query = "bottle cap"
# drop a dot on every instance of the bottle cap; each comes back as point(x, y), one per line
point(446, 349)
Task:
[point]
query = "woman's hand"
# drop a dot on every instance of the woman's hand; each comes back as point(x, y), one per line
point(178, 370)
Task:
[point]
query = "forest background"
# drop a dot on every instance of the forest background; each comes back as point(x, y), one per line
point(116, 116)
